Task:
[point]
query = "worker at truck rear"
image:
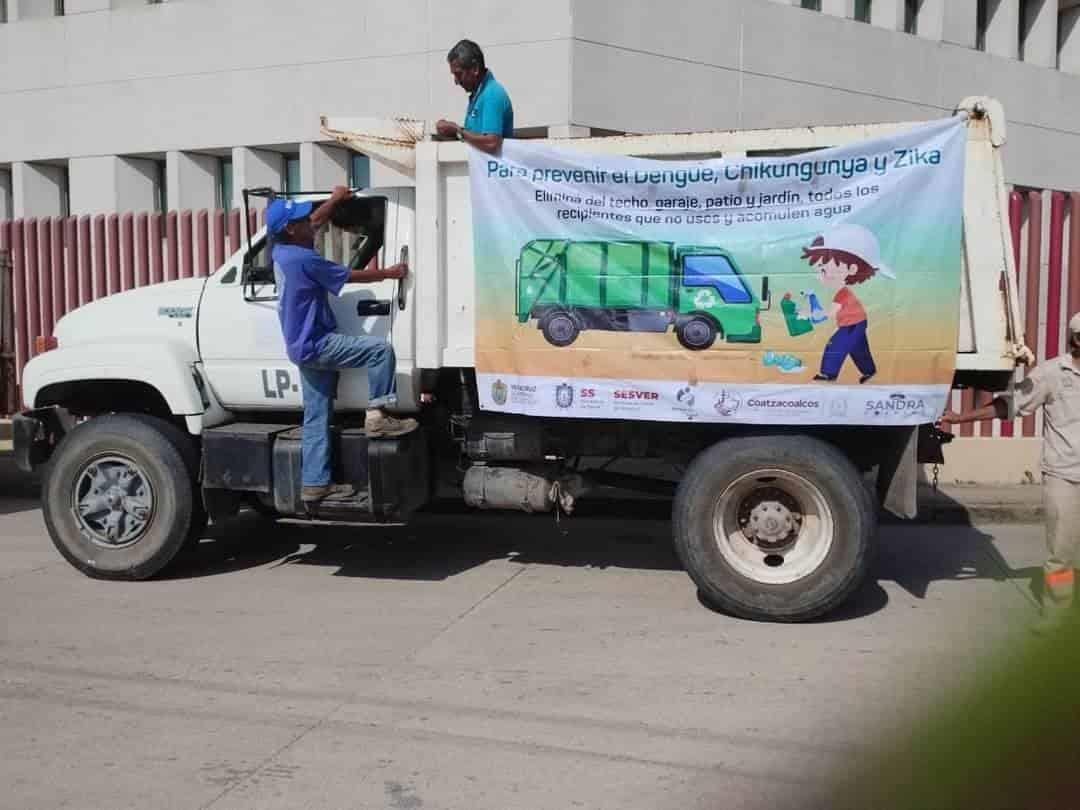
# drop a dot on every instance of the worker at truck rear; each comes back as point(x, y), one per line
point(1055, 387)
point(490, 116)
point(305, 280)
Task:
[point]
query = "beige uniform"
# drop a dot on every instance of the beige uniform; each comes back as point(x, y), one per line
point(1055, 387)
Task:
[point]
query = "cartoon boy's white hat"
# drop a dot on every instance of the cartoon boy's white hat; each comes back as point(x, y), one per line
point(858, 241)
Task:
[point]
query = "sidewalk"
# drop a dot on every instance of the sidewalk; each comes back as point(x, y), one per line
point(976, 503)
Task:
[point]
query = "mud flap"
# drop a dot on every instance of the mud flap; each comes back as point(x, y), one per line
point(897, 482)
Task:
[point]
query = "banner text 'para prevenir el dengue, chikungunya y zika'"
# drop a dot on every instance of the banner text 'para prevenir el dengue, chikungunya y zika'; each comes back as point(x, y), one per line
point(820, 288)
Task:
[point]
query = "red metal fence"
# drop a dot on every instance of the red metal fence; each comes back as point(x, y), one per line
point(1046, 248)
point(62, 263)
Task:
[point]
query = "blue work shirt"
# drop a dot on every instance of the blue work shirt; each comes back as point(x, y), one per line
point(304, 282)
point(490, 111)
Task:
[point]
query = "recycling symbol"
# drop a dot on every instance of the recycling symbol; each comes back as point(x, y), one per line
point(704, 299)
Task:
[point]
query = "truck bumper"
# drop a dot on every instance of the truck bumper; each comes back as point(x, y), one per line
point(35, 435)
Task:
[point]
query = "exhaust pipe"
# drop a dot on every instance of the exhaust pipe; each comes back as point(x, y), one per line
point(510, 488)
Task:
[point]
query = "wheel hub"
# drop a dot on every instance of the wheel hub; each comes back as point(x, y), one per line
point(771, 519)
point(113, 502)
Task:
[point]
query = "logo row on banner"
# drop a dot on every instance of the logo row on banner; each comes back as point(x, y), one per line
point(711, 402)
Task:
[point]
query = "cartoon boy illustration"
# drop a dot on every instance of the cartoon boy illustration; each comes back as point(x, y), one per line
point(844, 256)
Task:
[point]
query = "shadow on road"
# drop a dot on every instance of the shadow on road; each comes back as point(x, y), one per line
point(631, 534)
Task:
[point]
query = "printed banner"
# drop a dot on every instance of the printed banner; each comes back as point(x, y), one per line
point(819, 288)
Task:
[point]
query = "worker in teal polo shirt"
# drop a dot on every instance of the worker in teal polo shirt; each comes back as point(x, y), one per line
point(490, 115)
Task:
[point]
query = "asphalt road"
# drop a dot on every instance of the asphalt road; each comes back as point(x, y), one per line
point(468, 662)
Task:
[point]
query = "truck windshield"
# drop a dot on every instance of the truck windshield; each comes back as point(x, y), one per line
point(716, 272)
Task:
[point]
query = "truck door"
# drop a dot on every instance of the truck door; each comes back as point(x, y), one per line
point(240, 340)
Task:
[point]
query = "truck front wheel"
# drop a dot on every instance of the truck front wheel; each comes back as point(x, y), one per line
point(696, 333)
point(560, 328)
point(774, 528)
point(119, 501)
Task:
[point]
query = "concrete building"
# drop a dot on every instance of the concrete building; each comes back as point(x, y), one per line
point(142, 104)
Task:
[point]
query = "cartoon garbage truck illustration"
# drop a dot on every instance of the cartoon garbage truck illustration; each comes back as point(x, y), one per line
point(568, 286)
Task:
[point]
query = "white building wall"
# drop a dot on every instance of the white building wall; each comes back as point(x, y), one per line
point(192, 180)
point(199, 76)
point(37, 190)
point(111, 183)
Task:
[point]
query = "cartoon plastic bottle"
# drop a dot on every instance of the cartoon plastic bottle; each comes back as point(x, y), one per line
point(817, 312)
point(795, 325)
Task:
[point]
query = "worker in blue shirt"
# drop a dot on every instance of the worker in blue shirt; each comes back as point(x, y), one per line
point(490, 116)
point(305, 281)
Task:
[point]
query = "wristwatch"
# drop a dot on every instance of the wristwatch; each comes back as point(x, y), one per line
point(460, 134)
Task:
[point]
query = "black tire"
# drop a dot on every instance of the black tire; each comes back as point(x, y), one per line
point(560, 328)
point(156, 449)
point(709, 493)
point(697, 332)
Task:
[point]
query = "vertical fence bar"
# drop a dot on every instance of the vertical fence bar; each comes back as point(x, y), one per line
point(112, 233)
point(127, 252)
point(234, 231)
point(1031, 302)
point(219, 239)
point(56, 270)
point(967, 402)
point(1016, 224)
point(43, 301)
point(86, 268)
point(202, 244)
point(101, 261)
point(1054, 274)
point(8, 374)
point(33, 289)
point(157, 274)
point(1074, 255)
point(71, 264)
point(142, 255)
point(172, 240)
point(185, 245)
point(22, 321)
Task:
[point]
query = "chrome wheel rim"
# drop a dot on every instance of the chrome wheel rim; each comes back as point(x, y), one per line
point(113, 502)
point(773, 526)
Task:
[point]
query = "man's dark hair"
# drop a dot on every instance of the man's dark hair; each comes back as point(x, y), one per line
point(467, 54)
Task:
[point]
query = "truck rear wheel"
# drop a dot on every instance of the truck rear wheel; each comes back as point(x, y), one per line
point(560, 328)
point(119, 501)
point(696, 333)
point(774, 528)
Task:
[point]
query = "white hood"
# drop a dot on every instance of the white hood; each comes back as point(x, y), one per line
point(168, 310)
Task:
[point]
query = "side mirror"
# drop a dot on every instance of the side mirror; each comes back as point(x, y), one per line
point(257, 277)
point(766, 295)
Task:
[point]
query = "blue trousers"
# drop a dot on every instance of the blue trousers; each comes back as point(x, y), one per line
point(848, 341)
point(319, 381)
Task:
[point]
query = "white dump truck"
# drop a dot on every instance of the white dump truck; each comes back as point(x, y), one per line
point(166, 406)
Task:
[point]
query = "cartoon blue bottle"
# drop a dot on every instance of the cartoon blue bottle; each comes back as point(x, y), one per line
point(817, 313)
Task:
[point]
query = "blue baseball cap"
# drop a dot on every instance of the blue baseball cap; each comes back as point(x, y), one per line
point(280, 212)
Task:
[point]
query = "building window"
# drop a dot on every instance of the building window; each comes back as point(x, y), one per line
point(65, 191)
point(225, 184)
point(161, 186)
point(862, 11)
point(58, 8)
point(359, 171)
point(812, 5)
point(982, 20)
point(911, 16)
point(3, 11)
point(292, 173)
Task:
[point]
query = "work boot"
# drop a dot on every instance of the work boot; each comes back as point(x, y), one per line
point(327, 492)
point(1057, 601)
point(380, 425)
